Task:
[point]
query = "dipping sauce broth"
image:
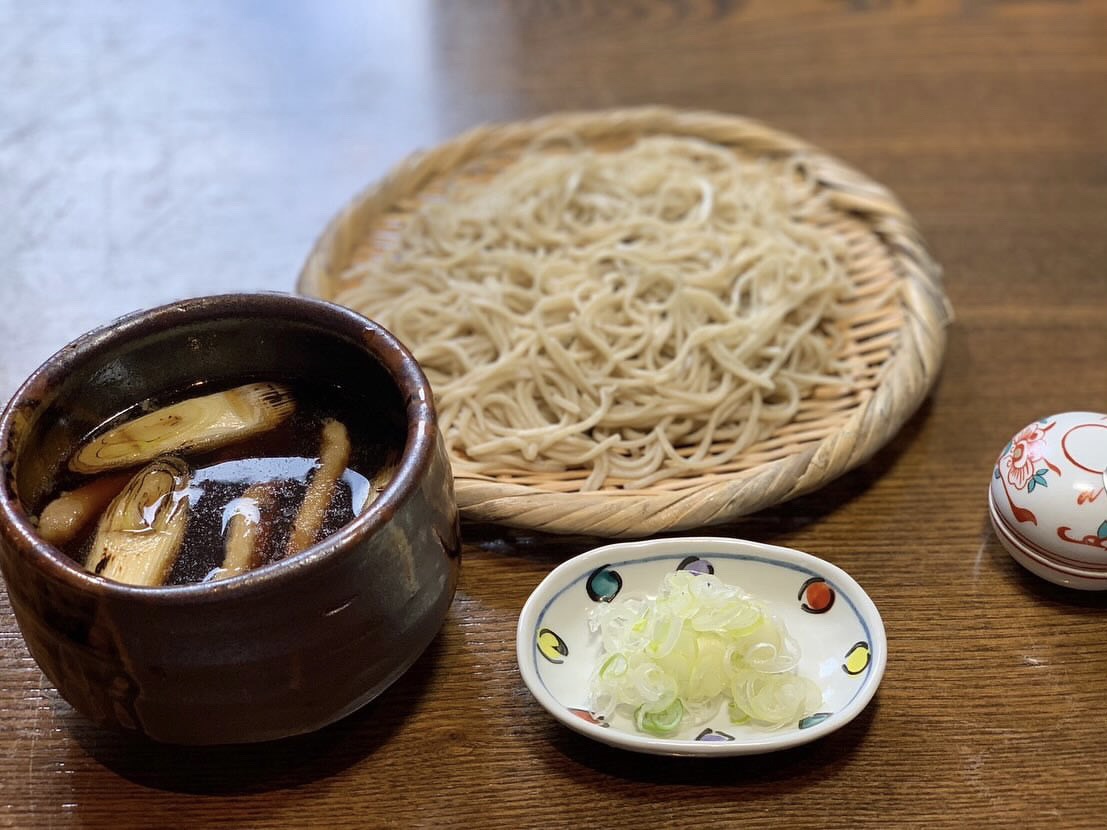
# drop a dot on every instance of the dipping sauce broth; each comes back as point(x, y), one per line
point(199, 503)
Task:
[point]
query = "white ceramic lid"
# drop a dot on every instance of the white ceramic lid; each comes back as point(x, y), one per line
point(1048, 500)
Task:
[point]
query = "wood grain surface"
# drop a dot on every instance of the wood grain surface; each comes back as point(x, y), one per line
point(152, 151)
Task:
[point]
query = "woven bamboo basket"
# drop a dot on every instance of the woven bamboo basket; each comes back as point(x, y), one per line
point(900, 346)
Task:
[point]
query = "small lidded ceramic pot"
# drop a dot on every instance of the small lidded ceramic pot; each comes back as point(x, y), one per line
point(1048, 500)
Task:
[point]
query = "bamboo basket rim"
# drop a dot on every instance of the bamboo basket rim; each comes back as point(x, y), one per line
point(905, 363)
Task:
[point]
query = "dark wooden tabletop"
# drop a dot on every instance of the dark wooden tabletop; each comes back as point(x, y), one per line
point(155, 151)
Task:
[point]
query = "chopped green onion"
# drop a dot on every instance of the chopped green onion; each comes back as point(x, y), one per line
point(736, 715)
point(660, 723)
point(614, 666)
point(672, 660)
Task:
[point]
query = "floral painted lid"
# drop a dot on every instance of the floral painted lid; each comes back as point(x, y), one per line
point(1048, 498)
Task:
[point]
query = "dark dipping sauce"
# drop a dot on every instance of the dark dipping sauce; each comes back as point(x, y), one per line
point(283, 459)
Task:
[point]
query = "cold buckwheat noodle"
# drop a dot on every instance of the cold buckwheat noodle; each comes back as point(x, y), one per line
point(640, 314)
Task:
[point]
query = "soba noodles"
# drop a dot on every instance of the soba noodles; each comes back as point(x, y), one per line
point(631, 315)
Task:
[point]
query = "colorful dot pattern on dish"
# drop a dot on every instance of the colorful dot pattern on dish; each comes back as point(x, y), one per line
point(588, 717)
point(814, 595)
point(551, 646)
point(604, 584)
point(696, 565)
point(857, 658)
point(714, 735)
point(812, 720)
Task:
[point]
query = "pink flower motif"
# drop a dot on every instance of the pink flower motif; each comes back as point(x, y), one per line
point(1027, 449)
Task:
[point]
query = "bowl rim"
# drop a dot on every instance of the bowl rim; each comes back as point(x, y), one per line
point(399, 363)
point(678, 547)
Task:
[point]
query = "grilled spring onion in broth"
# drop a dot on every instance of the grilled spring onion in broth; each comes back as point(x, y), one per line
point(194, 425)
point(251, 475)
point(139, 535)
point(248, 529)
point(334, 455)
point(67, 515)
point(672, 660)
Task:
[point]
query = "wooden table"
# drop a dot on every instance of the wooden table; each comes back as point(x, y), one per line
point(153, 151)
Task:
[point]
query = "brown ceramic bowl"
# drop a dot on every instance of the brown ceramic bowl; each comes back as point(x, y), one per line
point(287, 648)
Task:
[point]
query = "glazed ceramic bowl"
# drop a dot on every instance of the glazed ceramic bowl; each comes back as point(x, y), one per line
point(1047, 499)
point(284, 649)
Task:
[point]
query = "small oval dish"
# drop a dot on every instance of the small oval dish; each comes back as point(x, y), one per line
point(838, 628)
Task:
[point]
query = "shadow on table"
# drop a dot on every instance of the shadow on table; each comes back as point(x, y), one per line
point(777, 772)
point(251, 768)
point(1041, 590)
